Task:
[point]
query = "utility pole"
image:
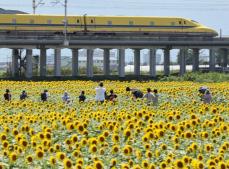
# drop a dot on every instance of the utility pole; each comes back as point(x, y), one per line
point(65, 4)
point(35, 5)
point(66, 43)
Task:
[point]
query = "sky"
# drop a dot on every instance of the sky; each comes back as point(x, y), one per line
point(212, 13)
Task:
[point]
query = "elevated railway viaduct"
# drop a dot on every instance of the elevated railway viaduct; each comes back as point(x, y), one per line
point(108, 42)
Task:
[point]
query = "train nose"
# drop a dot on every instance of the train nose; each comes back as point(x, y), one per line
point(208, 31)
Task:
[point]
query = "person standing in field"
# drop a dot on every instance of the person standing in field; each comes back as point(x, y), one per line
point(100, 93)
point(7, 95)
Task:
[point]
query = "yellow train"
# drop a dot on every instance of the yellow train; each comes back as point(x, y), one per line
point(168, 26)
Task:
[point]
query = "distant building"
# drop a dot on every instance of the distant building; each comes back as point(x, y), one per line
point(66, 61)
point(145, 59)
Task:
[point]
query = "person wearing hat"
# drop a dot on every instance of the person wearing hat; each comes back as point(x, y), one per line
point(7, 95)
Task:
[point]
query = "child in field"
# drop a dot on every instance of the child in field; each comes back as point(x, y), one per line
point(82, 97)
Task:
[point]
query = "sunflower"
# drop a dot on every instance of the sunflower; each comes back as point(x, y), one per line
point(93, 149)
point(13, 157)
point(29, 159)
point(67, 163)
point(98, 165)
point(179, 164)
point(115, 149)
point(39, 154)
point(145, 164)
point(60, 156)
point(52, 161)
point(113, 162)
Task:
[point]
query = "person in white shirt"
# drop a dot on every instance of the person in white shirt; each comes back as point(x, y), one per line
point(148, 96)
point(100, 93)
point(151, 97)
point(66, 98)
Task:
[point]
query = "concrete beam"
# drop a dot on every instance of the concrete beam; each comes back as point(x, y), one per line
point(196, 53)
point(212, 59)
point(57, 62)
point(29, 63)
point(137, 54)
point(15, 64)
point(106, 62)
point(43, 58)
point(182, 61)
point(166, 62)
point(152, 62)
point(90, 62)
point(121, 66)
point(75, 62)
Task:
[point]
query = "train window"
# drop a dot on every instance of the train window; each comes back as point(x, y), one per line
point(14, 20)
point(31, 21)
point(77, 21)
point(92, 21)
point(195, 21)
point(180, 22)
point(109, 22)
point(173, 23)
point(131, 22)
point(184, 22)
point(49, 22)
point(151, 23)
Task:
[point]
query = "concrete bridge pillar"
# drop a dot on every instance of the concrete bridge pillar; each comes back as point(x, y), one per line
point(15, 65)
point(121, 66)
point(106, 61)
point(166, 62)
point(182, 61)
point(43, 58)
point(152, 62)
point(225, 57)
point(196, 53)
point(212, 60)
point(75, 62)
point(29, 63)
point(57, 62)
point(137, 54)
point(90, 62)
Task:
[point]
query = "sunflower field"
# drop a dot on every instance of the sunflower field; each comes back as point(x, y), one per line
point(180, 133)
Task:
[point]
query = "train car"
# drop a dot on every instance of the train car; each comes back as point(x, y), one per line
point(113, 25)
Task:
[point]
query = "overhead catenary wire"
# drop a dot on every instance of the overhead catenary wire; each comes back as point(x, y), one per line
point(193, 5)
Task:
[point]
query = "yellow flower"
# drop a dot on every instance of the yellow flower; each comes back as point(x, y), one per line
point(39, 154)
point(60, 156)
point(52, 161)
point(67, 163)
point(13, 157)
point(179, 164)
point(29, 159)
point(98, 165)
